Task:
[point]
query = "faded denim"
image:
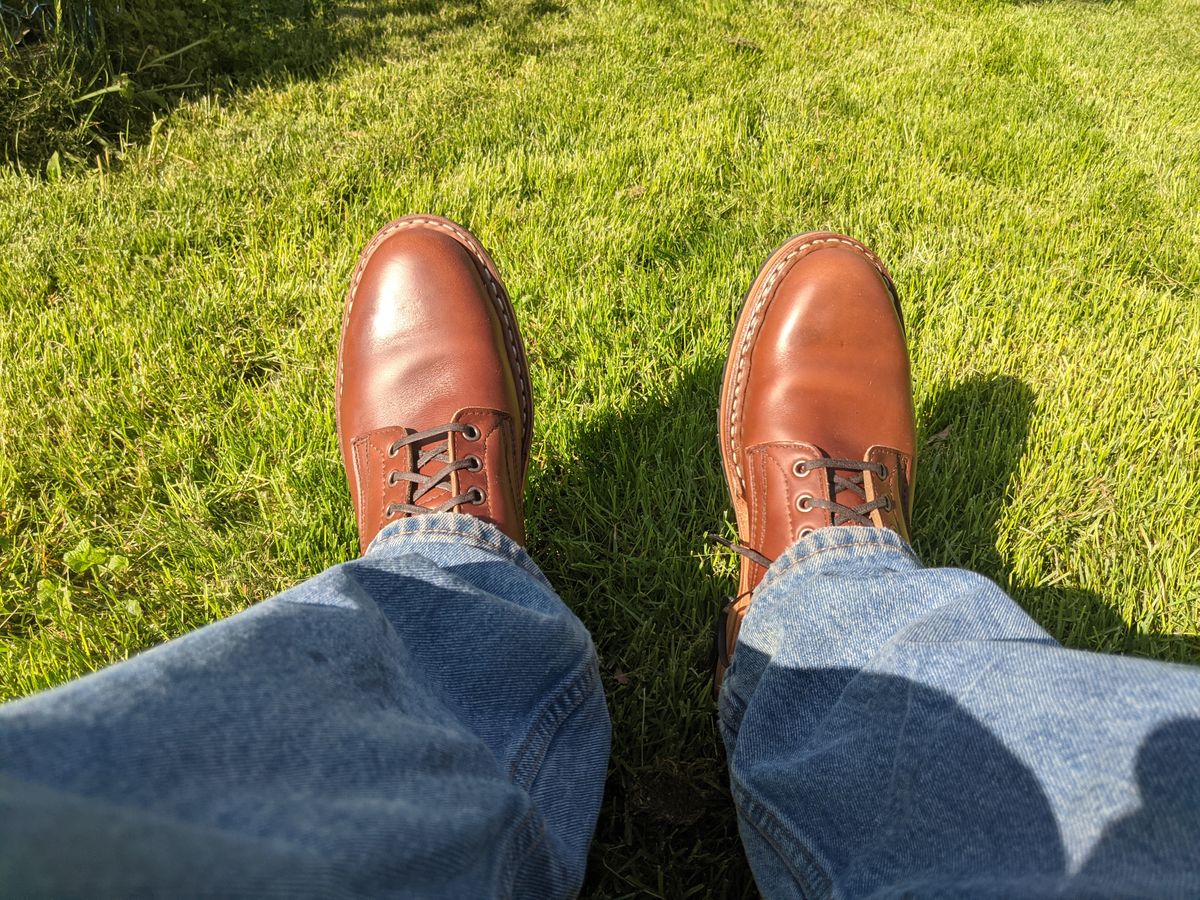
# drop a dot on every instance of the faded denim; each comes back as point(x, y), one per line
point(428, 721)
point(896, 731)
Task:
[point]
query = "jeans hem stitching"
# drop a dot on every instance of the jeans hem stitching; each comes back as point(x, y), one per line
point(776, 571)
point(439, 535)
point(762, 820)
point(531, 833)
point(527, 761)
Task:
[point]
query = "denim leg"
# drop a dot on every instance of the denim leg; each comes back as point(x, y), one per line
point(894, 730)
point(426, 721)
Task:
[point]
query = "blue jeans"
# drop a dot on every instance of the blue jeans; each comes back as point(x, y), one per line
point(428, 721)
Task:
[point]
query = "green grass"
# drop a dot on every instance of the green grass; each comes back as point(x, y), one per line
point(78, 77)
point(1030, 172)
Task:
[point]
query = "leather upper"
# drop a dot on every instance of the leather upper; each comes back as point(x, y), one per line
point(818, 370)
point(429, 338)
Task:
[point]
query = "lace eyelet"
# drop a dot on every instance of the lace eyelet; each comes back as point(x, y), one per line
point(471, 434)
point(479, 496)
point(804, 532)
point(389, 513)
point(803, 503)
point(888, 504)
point(801, 469)
point(884, 472)
point(393, 450)
point(392, 479)
point(475, 463)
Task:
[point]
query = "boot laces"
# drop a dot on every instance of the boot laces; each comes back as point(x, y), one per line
point(741, 550)
point(438, 450)
point(842, 513)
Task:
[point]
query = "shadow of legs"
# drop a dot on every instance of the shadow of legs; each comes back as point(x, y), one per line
point(616, 520)
point(974, 435)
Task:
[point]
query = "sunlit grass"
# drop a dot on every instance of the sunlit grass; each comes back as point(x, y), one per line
point(1030, 172)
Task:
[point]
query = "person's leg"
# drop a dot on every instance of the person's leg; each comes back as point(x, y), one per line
point(900, 731)
point(425, 721)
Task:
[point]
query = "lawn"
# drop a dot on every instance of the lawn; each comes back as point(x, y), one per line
point(1029, 171)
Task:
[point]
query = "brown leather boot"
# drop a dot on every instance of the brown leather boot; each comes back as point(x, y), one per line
point(433, 402)
point(816, 416)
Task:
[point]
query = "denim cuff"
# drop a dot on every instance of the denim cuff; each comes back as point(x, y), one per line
point(460, 530)
point(844, 547)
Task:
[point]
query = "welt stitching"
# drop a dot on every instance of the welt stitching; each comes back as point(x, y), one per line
point(493, 291)
point(761, 301)
point(516, 479)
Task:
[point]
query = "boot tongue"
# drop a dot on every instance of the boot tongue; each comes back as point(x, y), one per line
point(847, 496)
point(846, 487)
point(438, 451)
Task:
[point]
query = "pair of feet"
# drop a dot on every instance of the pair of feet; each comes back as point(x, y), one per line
point(816, 421)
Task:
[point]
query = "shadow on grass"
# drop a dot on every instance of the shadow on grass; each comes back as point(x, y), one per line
point(63, 100)
point(974, 437)
point(617, 523)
